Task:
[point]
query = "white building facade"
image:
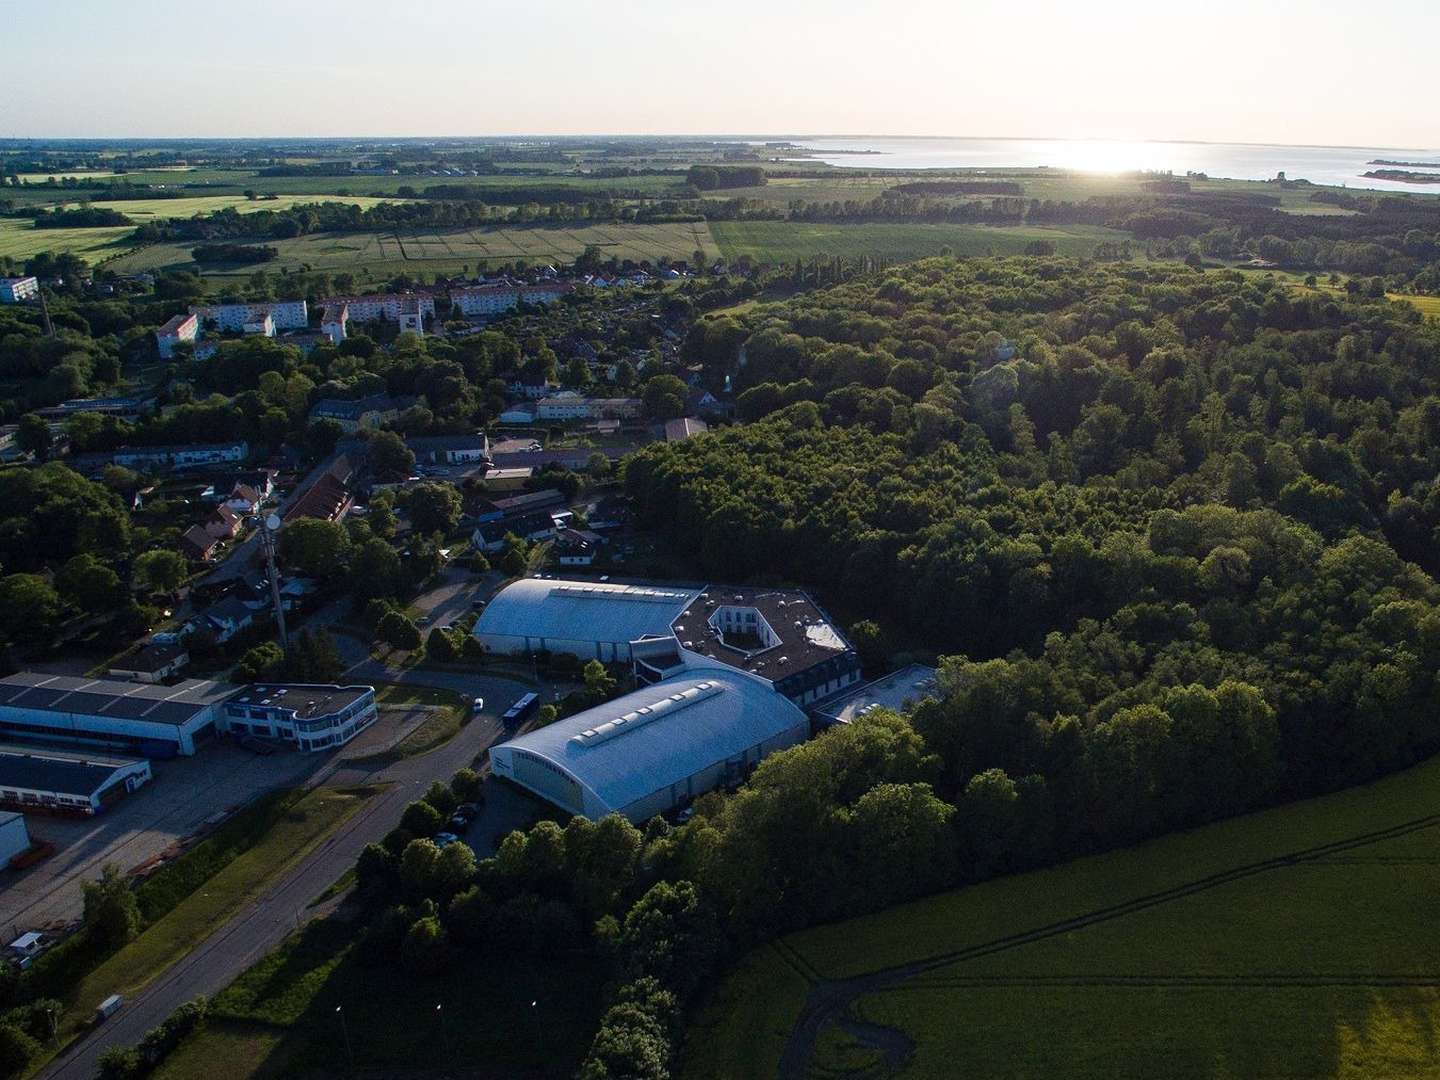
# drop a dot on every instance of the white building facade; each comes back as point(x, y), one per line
point(234, 318)
point(16, 290)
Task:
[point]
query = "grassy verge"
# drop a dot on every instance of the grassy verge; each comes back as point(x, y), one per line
point(300, 824)
point(336, 887)
point(279, 1016)
point(451, 711)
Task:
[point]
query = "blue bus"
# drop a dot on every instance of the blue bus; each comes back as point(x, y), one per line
point(517, 713)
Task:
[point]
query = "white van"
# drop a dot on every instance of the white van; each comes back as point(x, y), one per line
point(109, 1007)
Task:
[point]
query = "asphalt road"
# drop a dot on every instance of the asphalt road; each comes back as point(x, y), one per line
point(251, 933)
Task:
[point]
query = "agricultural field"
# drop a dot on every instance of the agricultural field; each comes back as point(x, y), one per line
point(413, 252)
point(19, 239)
point(1300, 941)
point(786, 241)
point(143, 210)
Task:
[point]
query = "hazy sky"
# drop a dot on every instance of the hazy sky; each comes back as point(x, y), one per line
point(1294, 71)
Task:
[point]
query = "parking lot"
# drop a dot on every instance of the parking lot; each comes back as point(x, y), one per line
point(185, 794)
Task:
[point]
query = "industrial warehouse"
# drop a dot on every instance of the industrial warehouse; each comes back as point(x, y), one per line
point(730, 672)
point(50, 780)
point(167, 721)
point(140, 718)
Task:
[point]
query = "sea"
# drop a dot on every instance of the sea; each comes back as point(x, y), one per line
point(1342, 166)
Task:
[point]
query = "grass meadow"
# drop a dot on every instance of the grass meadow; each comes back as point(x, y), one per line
point(1300, 941)
point(786, 241)
point(410, 251)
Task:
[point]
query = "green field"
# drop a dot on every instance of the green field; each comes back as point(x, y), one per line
point(1299, 942)
point(785, 241)
point(143, 210)
point(427, 252)
point(19, 239)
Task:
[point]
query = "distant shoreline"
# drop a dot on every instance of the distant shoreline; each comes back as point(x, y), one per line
point(1401, 176)
point(1406, 164)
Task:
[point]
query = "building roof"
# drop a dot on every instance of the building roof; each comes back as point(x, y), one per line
point(173, 325)
point(335, 313)
point(897, 691)
point(198, 541)
point(304, 699)
point(583, 610)
point(64, 774)
point(345, 409)
point(431, 443)
point(111, 697)
point(151, 658)
point(690, 722)
point(529, 502)
point(806, 635)
point(684, 428)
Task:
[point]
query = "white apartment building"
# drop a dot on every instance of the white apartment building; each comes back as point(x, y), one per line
point(14, 290)
point(283, 315)
point(493, 299)
point(178, 329)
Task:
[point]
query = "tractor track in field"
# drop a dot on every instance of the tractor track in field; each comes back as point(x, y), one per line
point(832, 1000)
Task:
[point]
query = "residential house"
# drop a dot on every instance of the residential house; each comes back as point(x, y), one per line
point(244, 499)
point(530, 387)
point(490, 536)
point(412, 315)
point(329, 497)
point(610, 512)
point(152, 663)
point(224, 523)
point(197, 545)
point(224, 619)
point(335, 323)
point(684, 428)
point(181, 457)
point(450, 449)
point(577, 547)
point(181, 328)
point(572, 406)
point(518, 414)
point(367, 412)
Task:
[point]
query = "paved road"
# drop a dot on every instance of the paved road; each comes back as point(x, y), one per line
point(233, 947)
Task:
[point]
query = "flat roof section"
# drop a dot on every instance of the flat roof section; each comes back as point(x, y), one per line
point(806, 634)
point(898, 690)
point(569, 610)
point(306, 700)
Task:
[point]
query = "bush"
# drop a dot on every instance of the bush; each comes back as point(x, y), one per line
point(112, 917)
point(16, 1050)
point(120, 1063)
point(421, 819)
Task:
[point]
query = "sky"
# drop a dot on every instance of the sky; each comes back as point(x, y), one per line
point(1326, 72)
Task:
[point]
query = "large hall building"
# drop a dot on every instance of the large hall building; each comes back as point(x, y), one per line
point(726, 672)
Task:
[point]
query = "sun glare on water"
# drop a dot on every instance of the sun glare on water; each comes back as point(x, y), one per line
point(1104, 156)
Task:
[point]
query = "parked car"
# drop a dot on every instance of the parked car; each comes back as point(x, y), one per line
point(445, 839)
point(477, 704)
point(458, 825)
point(471, 809)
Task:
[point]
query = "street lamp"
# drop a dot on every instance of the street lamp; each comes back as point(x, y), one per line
point(345, 1030)
point(444, 1038)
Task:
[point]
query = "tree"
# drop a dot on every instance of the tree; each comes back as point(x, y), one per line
point(421, 819)
point(259, 662)
point(16, 1050)
point(321, 436)
point(434, 508)
point(397, 631)
point(120, 1063)
point(159, 571)
point(425, 949)
point(30, 610)
point(440, 646)
point(663, 397)
point(375, 571)
point(315, 547)
point(90, 585)
point(599, 683)
point(389, 456)
point(33, 436)
point(111, 914)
